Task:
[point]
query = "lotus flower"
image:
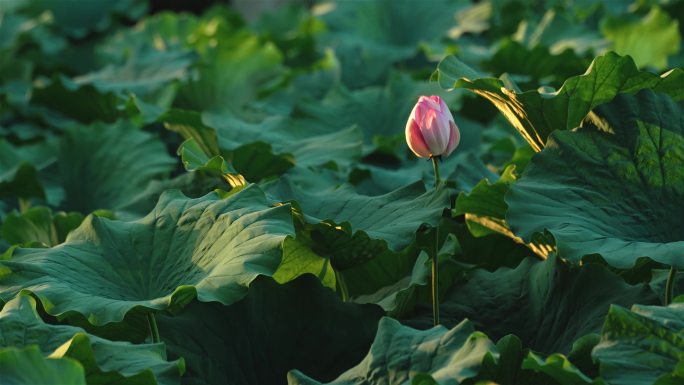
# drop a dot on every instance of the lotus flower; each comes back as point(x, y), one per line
point(431, 131)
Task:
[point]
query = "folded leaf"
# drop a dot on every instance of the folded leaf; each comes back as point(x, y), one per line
point(104, 361)
point(537, 113)
point(399, 353)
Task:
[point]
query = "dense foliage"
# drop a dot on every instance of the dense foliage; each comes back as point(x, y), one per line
point(227, 197)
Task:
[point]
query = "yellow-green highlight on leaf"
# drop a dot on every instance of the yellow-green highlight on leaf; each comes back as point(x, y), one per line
point(649, 41)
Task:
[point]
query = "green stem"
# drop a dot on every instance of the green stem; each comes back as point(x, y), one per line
point(435, 281)
point(24, 204)
point(154, 331)
point(342, 286)
point(435, 262)
point(669, 286)
point(435, 166)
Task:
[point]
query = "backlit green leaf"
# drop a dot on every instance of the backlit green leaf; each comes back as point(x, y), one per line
point(206, 247)
point(537, 113)
point(613, 187)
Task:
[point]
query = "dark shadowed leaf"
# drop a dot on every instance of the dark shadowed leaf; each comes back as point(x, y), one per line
point(484, 209)
point(400, 352)
point(85, 104)
point(276, 328)
point(39, 224)
point(545, 303)
point(18, 175)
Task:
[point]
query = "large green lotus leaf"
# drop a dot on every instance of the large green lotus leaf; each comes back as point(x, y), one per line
point(142, 73)
point(149, 76)
point(12, 28)
point(536, 64)
point(489, 252)
point(368, 37)
point(316, 178)
point(378, 110)
point(400, 297)
point(544, 303)
point(295, 31)
point(102, 166)
point(304, 87)
point(613, 187)
point(641, 345)
point(226, 134)
point(363, 258)
point(232, 74)
point(85, 104)
point(649, 41)
point(105, 362)
point(39, 224)
point(400, 352)
point(258, 160)
point(79, 22)
point(536, 113)
point(365, 267)
point(375, 180)
point(399, 281)
point(276, 328)
point(560, 31)
point(174, 32)
point(392, 217)
point(206, 247)
point(163, 32)
point(17, 73)
point(309, 147)
point(193, 185)
point(19, 177)
point(27, 366)
point(516, 364)
point(464, 168)
point(19, 167)
point(484, 209)
point(400, 25)
point(257, 150)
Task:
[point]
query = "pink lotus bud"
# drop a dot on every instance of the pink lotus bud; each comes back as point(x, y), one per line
point(430, 130)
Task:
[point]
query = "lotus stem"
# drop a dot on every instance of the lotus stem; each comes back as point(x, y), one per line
point(669, 286)
point(342, 286)
point(435, 166)
point(24, 204)
point(435, 262)
point(154, 331)
point(435, 281)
